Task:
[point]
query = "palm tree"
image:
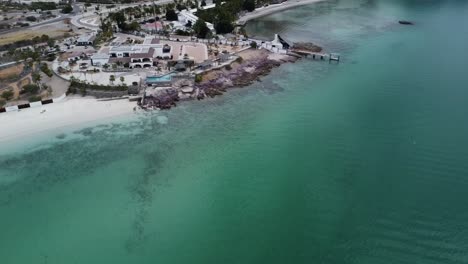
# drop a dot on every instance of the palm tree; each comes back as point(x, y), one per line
point(36, 77)
point(112, 79)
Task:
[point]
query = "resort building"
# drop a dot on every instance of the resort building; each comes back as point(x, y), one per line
point(141, 55)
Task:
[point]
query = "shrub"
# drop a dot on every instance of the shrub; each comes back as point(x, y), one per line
point(239, 60)
point(198, 78)
point(171, 15)
point(79, 86)
point(7, 95)
point(51, 57)
point(249, 5)
point(228, 67)
point(253, 44)
point(31, 88)
point(31, 18)
point(67, 9)
point(2, 102)
point(45, 69)
point(35, 98)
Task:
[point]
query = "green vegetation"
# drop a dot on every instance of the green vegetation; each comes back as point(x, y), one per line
point(249, 5)
point(181, 32)
point(198, 78)
point(253, 44)
point(67, 9)
point(35, 98)
point(76, 86)
point(25, 42)
point(43, 6)
point(46, 70)
point(171, 15)
point(31, 88)
point(2, 102)
point(7, 95)
point(224, 15)
point(200, 28)
point(36, 77)
point(31, 18)
point(107, 1)
point(120, 19)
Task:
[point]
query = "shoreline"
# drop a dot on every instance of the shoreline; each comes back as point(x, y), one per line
point(249, 67)
point(57, 117)
point(79, 111)
point(264, 11)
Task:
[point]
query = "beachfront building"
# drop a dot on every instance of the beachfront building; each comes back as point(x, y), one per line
point(141, 55)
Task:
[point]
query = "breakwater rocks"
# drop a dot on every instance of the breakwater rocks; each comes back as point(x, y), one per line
point(215, 82)
point(244, 75)
point(307, 46)
point(163, 99)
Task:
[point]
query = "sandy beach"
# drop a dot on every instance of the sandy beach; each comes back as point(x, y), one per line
point(263, 11)
point(71, 111)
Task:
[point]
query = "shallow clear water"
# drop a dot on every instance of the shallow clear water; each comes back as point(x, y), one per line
point(360, 162)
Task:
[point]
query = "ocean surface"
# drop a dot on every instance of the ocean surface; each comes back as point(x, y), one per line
point(365, 161)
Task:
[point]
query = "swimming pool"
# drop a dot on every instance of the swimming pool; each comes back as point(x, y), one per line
point(158, 79)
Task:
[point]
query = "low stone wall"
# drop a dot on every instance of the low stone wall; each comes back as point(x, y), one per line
point(106, 94)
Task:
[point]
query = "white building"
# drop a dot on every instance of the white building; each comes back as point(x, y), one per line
point(141, 55)
point(186, 16)
point(99, 59)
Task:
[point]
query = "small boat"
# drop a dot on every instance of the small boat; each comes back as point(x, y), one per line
point(404, 22)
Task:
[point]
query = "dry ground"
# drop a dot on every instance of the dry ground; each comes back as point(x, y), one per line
point(11, 71)
point(54, 30)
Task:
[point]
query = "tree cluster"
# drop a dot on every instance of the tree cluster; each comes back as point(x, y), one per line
point(67, 9)
point(25, 42)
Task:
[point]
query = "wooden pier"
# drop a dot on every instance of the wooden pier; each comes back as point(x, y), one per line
point(330, 57)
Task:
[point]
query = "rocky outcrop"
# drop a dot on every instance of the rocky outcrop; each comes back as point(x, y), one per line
point(164, 99)
point(236, 78)
point(307, 46)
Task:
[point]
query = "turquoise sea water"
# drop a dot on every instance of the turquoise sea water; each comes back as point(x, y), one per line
point(361, 162)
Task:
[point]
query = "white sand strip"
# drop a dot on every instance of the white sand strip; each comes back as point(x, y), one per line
point(71, 111)
point(263, 11)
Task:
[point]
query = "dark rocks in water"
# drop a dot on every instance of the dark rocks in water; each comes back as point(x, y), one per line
point(164, 100)
point(237, 78)
point(405, 22)
point(307, 46)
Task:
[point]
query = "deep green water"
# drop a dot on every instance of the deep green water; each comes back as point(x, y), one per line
point(361, 162)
